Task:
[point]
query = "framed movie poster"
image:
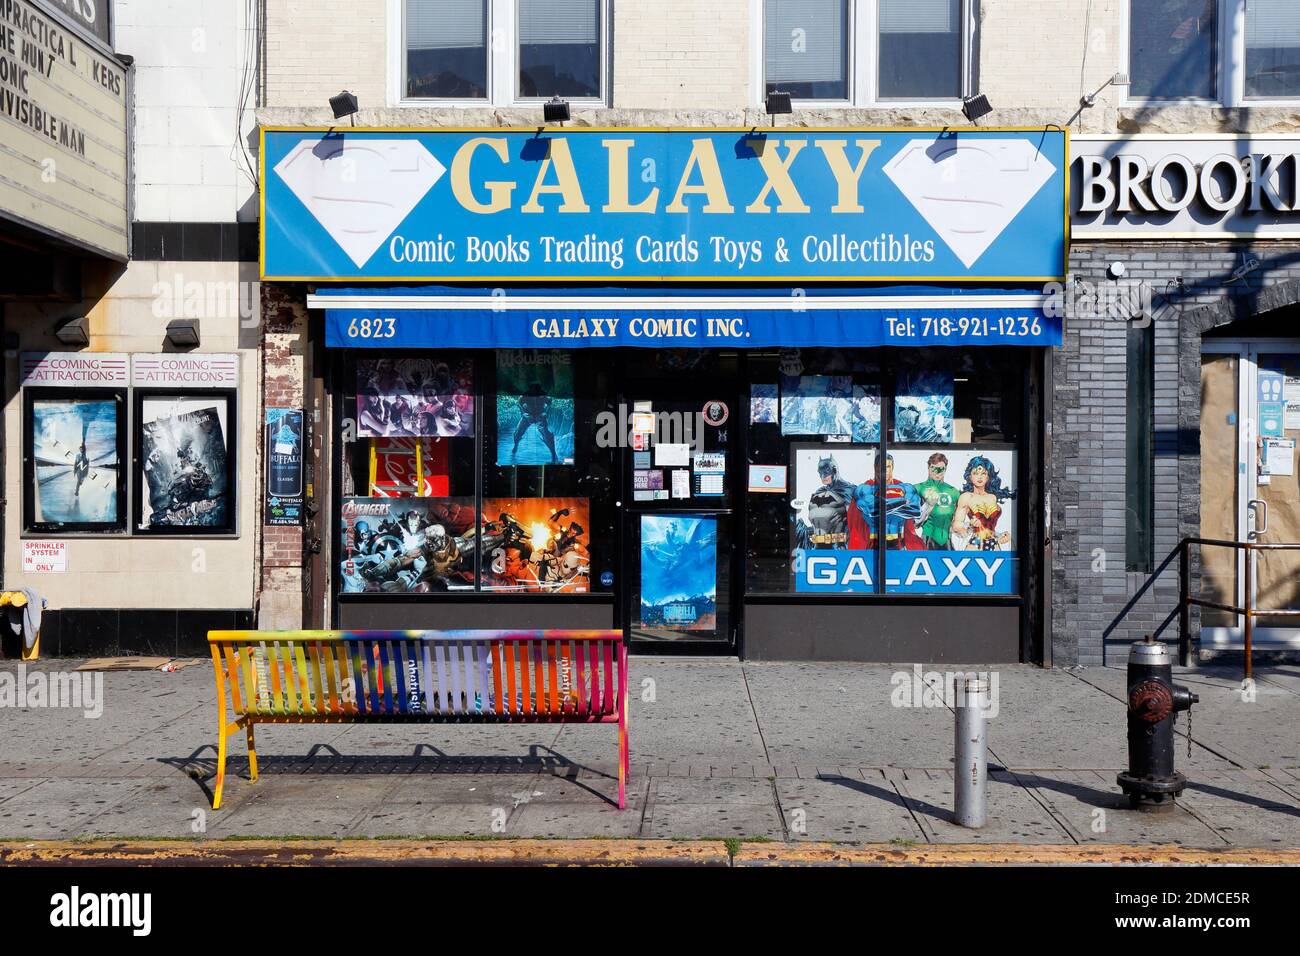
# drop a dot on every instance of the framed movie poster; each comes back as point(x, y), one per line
point(185, 462)
point(74, 445)
point(537, 545)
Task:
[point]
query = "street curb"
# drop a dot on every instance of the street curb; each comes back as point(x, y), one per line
point(708, 853)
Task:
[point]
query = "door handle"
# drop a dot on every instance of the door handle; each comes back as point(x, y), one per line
point(1258, 508)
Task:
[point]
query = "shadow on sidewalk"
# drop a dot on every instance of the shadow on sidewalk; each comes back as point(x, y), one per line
point(424, 759)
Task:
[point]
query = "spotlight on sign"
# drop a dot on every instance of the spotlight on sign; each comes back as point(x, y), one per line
point(183, 333)
point(779, 104)
point(345, 104)
point(556, 110)
point(973, 107)
point(72, 331)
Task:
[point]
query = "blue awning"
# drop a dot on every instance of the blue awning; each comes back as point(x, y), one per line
point(679, 317)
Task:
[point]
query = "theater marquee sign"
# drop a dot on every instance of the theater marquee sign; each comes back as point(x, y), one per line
point(63, 125)
point(1185, 187)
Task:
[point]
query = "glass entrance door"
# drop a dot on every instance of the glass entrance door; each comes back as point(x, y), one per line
point(679, 500)
point(1250, 486)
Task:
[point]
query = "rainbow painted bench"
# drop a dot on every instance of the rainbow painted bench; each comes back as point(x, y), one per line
point(334, 677)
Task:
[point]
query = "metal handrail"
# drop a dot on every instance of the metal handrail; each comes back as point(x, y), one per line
point(1249, 612)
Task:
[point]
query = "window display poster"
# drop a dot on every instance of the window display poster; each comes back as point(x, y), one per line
point(76, 461)
point(829, 405)
point(397, 472)
point(415, 397)
point(679, 587)
point(407, 545)
point(949, 521)
point(184, 463)
point(923, 407)
point(537, 545)
point(284, 467)
point(535, 407)
point(763, 406)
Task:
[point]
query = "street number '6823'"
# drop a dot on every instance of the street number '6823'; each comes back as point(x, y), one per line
point(372, 328)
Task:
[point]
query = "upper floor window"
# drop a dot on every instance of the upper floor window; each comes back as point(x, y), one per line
point(1172, 49)
point(1224, 51)
point(863, 51)
point(447, 49)
point(501, 51)
point(1272, 48)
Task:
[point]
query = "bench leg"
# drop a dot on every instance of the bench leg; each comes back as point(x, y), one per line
point(252, 752)
point(622, 756)
point(221, 769)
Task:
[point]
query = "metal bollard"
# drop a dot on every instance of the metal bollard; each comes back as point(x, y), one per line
point(971, 763)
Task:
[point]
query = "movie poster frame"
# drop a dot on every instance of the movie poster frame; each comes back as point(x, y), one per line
point(34, 528)
point(140, 486)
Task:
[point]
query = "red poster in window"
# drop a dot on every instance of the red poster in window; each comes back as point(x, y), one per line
point(395, 468)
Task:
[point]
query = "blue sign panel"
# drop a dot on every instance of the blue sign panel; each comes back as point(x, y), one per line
point(908, 572)
point(626, 205)
point(452, 318)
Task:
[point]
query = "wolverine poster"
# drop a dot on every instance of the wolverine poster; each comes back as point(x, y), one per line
point(535, 408)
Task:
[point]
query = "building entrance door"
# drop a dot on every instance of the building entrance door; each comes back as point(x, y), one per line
point(679, 503)
point(1250, 486)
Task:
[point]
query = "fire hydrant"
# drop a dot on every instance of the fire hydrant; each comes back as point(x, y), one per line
point(1153, 702)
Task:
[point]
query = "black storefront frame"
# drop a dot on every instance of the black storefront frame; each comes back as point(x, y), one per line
point(1027, 603)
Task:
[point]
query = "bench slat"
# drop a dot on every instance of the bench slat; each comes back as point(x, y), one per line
point(510, 678)
point(607, 698)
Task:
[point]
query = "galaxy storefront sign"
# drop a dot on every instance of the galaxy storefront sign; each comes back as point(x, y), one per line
point(1198, 187)
point(625, 205)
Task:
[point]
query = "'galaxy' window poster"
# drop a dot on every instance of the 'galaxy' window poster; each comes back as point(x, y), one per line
point(535, 408)
point(185, 483)
point(74, 461)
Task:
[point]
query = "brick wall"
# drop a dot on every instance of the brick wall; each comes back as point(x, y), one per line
point(1090, 585)
point(681, 54)
point(284, 333)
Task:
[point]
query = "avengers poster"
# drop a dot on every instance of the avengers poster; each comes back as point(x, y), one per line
point(535, 408)
point(679, 560)
point(415, 397)
point(185, 475)
point(407, 545)
point(949, 522)
point(75, 461)
point(829, 405)
point(538, 545)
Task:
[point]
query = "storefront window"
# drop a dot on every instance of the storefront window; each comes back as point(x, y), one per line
point(467, 471)
point(947, 461)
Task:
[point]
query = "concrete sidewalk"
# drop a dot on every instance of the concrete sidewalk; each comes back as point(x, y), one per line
point(812, 753)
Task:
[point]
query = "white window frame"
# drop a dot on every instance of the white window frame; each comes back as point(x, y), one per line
point(864, 60)
point(1229, 66)
point(503, 61)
